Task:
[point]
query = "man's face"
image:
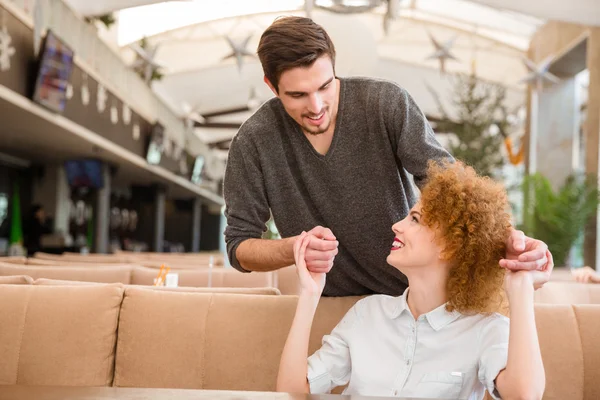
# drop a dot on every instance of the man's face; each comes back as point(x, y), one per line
point(310, 95)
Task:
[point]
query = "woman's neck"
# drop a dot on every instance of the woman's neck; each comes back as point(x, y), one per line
point(426, 293)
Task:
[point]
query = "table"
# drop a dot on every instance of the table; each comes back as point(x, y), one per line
point(19, 392)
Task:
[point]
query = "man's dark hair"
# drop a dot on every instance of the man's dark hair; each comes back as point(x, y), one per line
point(292, 42)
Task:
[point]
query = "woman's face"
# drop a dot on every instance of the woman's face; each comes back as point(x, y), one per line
point(414, 245)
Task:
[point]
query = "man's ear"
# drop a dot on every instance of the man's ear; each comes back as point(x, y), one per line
point(270, 85)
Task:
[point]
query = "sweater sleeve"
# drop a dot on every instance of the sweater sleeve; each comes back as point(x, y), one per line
point(246, 206)
point(411, 134)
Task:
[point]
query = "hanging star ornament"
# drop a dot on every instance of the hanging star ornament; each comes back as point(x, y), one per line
point(145, 64)
point(101, 99)
point(309, 5)
point(114, 115)
point(6, 49)
point(538, 74)
point(135, 132)
point(392, 12)
point(126, 114)
point(191, 115)
point(69, 91)
point(442, 52)
point(85, 91)
point(239, 51)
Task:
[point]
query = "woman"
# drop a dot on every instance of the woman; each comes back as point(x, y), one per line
point(440, 339)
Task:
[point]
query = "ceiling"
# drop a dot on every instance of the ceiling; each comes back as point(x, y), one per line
point(490, 38)
point(584, 12)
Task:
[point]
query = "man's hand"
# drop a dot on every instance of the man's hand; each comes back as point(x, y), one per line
point(526, 254)
point(321, 250)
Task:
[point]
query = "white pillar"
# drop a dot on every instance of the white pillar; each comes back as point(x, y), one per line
point(63, 201)
point(102, 212)
point(196, 223)
point(159, 219)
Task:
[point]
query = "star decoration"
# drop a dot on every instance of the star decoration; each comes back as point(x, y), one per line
point(183, 166)
point(253, 100)
point(69, 92)
point(393, 9)
point(6, 49)
point(135, 133)
point(538, 74)
point(38, 25)
point(85, 95)
point(442, 52)
point(308, 7)
point(191, 115)
point(114, 115)
point(126, 114)
point(167, 147)
point(101, 99)
point(85, 91)
point(145, 63)
point(239, 51)
point(177, 151)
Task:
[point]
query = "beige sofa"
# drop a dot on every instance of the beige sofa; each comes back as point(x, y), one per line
point(99, 335)
point(285, 279)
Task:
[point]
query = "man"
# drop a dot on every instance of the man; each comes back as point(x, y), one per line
point(331, 156)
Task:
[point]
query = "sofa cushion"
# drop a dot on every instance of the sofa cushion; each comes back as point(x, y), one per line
point(117, 274)
point(246, 357)
point(16, 279)
point(162, 338)
point(200, 340)
point(561, 348)
point(588, 318)
point(59, 336)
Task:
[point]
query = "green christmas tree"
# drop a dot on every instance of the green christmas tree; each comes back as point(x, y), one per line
point(479, 125)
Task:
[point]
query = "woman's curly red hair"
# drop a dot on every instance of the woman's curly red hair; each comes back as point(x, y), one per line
point(469, 214)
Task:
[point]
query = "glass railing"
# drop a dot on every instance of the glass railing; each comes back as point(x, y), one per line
point(100, 61)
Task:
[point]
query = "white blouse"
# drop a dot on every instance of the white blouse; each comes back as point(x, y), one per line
point(378, 349)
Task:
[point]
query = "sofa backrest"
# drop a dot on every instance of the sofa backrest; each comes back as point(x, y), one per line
point(287, 280)
point(62, 263)
point(568, 293)
point(58, 335)
point(16, 280)
point(253, 290)
point(84, 258)
point(108, 274)
point(219, 277)
point(14, 260)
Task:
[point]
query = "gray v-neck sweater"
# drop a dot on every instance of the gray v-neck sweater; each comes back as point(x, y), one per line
point(358, 189)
